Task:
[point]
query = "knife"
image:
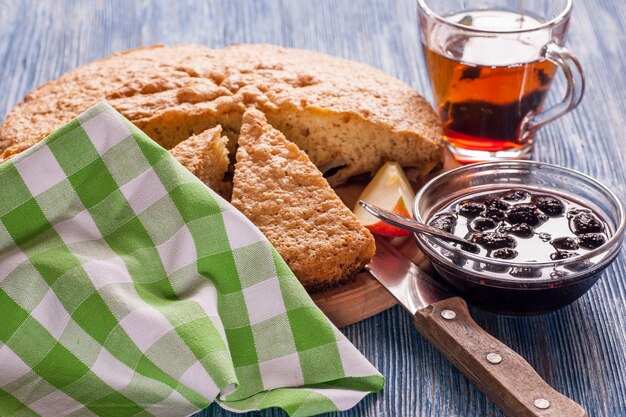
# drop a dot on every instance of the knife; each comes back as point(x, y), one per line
point(444, 320)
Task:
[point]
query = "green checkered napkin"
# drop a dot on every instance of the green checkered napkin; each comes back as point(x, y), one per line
point(128, 288)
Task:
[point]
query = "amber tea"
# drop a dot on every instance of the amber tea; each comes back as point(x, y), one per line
point(491, 64)
point(484, 87)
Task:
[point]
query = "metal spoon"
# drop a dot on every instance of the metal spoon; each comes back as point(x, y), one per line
point(415, 226)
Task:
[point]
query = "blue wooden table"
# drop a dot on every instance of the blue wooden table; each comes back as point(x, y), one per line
point(580, 350)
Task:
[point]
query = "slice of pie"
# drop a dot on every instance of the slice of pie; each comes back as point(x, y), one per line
point(205, 155)
point(280, 190)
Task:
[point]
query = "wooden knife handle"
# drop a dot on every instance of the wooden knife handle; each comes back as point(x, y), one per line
point(503, 375)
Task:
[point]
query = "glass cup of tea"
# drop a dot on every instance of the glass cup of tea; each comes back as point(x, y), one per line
point(491, 64)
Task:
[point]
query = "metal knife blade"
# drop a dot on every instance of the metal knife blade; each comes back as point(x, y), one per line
point(412, 287)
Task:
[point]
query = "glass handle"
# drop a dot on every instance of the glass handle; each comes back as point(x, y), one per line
point(575, 77)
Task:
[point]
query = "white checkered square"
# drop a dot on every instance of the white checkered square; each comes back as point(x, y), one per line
point(51, 314)
point(9, 260)
point(173, 406)
point(79, 228)
point(11, 366)
point(264, 300)
point(145, 326)
point(344, 399)
point(282, 372)
point(206, 297)
point(241, 232)
point(40, 171)
point(113, 372)
point(178, 251)
point(107, 271)
point(56, 404)
point(352, 361)
point(197, 378)
point(106, 130)
point(143, 191)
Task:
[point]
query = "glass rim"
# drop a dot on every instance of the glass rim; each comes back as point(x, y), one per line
point(562, 16)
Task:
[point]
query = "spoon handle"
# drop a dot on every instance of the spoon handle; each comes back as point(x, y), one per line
point(412, 225)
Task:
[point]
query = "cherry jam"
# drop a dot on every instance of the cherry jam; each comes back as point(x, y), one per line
point(523, 225)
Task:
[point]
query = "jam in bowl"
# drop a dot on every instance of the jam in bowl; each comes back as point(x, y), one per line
point(544, 233)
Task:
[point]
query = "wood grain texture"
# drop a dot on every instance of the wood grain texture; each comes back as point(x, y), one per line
point(579, 350)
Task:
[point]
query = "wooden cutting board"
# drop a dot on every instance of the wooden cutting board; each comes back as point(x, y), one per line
point(363, 296)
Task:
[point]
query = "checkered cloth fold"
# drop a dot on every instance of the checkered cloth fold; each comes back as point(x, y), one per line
point(128, 288)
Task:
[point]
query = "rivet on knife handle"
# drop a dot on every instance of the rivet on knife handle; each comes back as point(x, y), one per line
point(504, 376)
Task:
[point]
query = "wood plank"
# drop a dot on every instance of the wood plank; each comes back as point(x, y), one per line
point(580, 350)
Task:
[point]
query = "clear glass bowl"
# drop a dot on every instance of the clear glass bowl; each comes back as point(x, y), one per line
point(518, 288)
